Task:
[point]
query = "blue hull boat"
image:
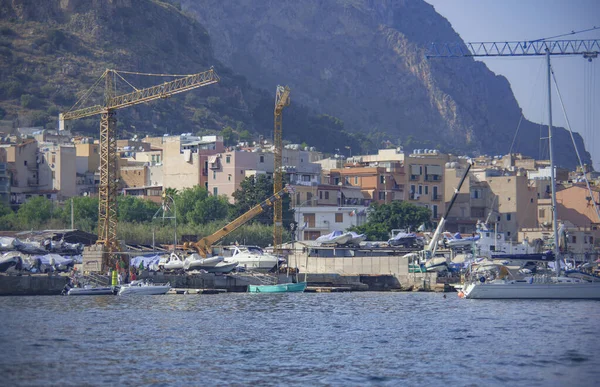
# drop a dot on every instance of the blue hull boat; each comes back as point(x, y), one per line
point(279, 288)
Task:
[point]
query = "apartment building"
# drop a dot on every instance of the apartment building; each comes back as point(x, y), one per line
point(425, 180)
point(475, 201)
point(58, 168)
point(185, 159)
point(575, 205)
point(323, 208)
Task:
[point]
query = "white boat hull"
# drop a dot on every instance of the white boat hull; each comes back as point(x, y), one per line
point(526, 290)
point(145, 290)
point(101, 291)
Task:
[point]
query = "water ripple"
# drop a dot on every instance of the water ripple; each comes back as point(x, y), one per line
point(336, 339)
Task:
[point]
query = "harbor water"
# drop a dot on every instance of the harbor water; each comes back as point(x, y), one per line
point(333, 339)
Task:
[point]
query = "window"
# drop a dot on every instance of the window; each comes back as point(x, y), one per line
point(336, 180)
point(381, 195)
point(25, 162)
point(541, 213)
point(508, 217)
point(309, 196)
point(320, 194)
point(573, 239)
point(531, 200)
point(426, 190)
point(229, 177)
point(216, 191)
point(382, 179)
point(434, 210)
point(228, 159)
point(355, 180)
point(326, 194)
point(346, 181)
point(412, 188)
point(475, 194)
point(591, 240)
point(508, 233)
point(214, 175)
point(499, 218)
point(298, 200)
point(262, 158)
point(508, 198)
point(305, 177)
point(339, 217)
point(420, 190)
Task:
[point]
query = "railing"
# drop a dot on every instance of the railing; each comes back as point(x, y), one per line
point(433, 178)
point(414, 177)
point(436, 198)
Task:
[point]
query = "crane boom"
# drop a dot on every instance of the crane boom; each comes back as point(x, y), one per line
point(147, 94)
point(589, 47)
point(282, 99)
point(204, 245)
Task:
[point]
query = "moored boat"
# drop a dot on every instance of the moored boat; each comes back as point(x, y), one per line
point(298, 287)
point(141, 287)
point(91, 291)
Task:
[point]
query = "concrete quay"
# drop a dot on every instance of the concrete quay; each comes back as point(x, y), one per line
point(32, 285)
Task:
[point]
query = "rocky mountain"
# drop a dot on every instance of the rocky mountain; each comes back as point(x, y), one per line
point(363, 61)
point(52, 52)
point(356, 69)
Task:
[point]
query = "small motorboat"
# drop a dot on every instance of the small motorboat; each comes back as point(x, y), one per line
point(336, 237)
point(252, 258)
point(298, 287)
point(403, 239)
point(355, 238)
point(173, 262)
point(91, 291)
point(141, 287)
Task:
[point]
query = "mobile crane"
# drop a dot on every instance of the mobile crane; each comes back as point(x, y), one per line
point(204, 245)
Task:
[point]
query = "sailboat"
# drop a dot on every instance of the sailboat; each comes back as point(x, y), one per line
point(537, 287)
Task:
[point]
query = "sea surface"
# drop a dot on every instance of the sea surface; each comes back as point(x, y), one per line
point(336, 339)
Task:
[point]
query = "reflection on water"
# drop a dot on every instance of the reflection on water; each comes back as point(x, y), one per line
point(297, 339)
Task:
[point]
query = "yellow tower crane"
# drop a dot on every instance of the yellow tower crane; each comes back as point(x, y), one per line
point(282, 99)
point(107, 206)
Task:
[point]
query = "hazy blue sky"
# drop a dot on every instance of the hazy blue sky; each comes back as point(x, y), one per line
point(521, 20)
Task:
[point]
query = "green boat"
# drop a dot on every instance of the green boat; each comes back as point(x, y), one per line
point(279, 288)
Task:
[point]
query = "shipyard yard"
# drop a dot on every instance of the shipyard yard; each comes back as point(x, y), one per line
point(369, 338)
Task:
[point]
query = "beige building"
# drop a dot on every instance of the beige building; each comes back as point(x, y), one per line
point(87, 157)
point(185, 160)
point(58, 168)
point(425, 180)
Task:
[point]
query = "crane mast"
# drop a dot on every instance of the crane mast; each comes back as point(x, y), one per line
point(107, 205)
point(282, 99)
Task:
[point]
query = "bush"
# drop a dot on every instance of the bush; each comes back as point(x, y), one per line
point(30, 101)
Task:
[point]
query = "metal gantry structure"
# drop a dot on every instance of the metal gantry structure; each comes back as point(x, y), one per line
point(588, 49)
point(282, 99)
point(107, 207)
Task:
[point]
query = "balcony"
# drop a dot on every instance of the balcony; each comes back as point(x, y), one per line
point(433, 178)
point(414, 177)
point(436, 198)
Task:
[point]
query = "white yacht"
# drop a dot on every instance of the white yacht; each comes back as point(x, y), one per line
point(251, 258)
point(215, 264)
point(140, 287)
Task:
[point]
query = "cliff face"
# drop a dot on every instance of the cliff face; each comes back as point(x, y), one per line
point(363, 61)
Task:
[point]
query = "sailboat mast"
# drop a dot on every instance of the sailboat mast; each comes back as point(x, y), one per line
point(552, 171)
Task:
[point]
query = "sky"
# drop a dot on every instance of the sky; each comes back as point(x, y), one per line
point(521, 20)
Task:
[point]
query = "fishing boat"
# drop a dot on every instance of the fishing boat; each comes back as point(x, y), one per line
point(141, 287)
point(297, 287)
point(537, 287)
